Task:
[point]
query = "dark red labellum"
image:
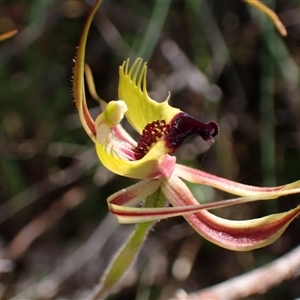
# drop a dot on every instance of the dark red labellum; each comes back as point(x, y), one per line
point(183, 125)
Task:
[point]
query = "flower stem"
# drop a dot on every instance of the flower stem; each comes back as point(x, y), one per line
point(127, 254)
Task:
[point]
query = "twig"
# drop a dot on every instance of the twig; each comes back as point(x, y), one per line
point(84, 162)
point(38, 226)
point(257, 281)
point(48, 287)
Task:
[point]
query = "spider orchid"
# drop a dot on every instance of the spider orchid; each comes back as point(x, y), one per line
point(162, 129)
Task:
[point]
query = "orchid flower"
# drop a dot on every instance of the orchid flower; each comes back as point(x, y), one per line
point(151, 159)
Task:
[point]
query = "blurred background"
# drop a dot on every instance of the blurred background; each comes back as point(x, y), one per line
point(221, 60)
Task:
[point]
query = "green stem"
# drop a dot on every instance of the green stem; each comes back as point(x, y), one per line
point(126, 256)
point(154, 29)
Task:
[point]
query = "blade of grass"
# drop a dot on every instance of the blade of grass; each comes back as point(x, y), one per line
point(266, 104)
point(154, 29)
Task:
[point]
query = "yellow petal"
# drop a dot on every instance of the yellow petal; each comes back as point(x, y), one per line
point(242, 235)
point(235, 235)
point(142, 110)
point(233, 187)
point(134, 194)
point(153, 165)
